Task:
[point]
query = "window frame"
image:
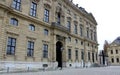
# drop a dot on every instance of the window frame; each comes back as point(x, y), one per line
point(30, 49)
point(11, 44)
point(46, 15)
point(76, 54)
point(14, 21)
point(69, 54)
point(31, 27)
point(46, 32)
point(45, 50)
point(16, 4)
point(33, 9)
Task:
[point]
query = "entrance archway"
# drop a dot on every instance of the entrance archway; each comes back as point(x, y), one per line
point(59, 53)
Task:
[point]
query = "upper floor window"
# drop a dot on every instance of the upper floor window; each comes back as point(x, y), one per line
point(16, 4)
point(88, 55)
point(76, 41)
point(11, 46)
point(94, 36)
point(81, 42)
point(75, 29)
point(69, 53)
point(87, 32)
point(69, 39)
point(46, 32)
point(14, 21)
point(91, 35)
point(76, 54)
point(31, 27)
point(81, 31)
point(30, 49)
point(116, 51)
point(46, 15)
point(75, 16)
point(45, 51)
point(33, 9)
point(58, 18)
point(68, 25)
point(111, 51)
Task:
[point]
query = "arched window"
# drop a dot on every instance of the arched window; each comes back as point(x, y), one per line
point(46, 32)
point(31, 27)
point(14, 21)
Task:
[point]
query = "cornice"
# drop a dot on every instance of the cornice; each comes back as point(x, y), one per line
point(86, 15)
point(18, 13)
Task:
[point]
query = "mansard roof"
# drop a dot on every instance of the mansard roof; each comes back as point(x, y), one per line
point(116, 41)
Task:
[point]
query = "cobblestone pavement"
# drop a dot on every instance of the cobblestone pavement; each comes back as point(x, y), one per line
point(113, 70)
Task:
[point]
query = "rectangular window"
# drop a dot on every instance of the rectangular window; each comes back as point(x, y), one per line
point(58, 19)
point(82, 55)
point(68, 25)
point(116, 51)
point(111, 51)
point(91, 35)
point(46, 15)
point(75, 29)
point(11, 45)
point(81, 31)
point(96, 56)
point(76, 54)
point(117, 60)
point(45, 51)
point(112, 60)
point(88, 55)
point(69, 53)
point(16, 4)
point(87, 32)
point(33, 9)
point(94, 36)
point(30, 49)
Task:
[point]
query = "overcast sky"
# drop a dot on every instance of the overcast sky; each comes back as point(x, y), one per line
point(107, 15)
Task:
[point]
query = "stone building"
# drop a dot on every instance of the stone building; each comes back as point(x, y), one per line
point(114, 52)
point(46, 33)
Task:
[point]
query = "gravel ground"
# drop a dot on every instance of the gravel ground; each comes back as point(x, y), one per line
point(111, 70)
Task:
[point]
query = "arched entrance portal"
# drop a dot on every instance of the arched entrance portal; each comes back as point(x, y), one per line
point(59, 53)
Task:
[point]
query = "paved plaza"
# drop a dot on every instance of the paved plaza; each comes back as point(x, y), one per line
point(113, 70)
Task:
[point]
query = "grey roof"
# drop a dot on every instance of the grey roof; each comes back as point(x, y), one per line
point(117, 41)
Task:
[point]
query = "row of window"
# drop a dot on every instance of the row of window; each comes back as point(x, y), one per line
point(117, 60)
point(116, 51)
point(11, 46)
point(33, 9)
point(14, 22)
point(82, 55)
point(89, 32)
point(17, 5)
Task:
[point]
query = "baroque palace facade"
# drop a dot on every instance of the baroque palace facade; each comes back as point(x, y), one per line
point(113, 51)
point(46, 33)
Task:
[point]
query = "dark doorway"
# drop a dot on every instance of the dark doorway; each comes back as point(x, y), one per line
point(59, 53)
